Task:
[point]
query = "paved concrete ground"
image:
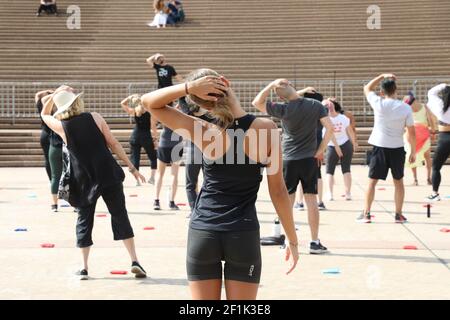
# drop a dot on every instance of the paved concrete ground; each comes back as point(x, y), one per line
point(371, 258)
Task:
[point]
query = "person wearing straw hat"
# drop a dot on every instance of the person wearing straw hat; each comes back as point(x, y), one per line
point(94, 171)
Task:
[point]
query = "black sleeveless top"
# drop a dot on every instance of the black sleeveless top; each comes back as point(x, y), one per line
point(93, 167)
point(54, 139)
point(227, 199)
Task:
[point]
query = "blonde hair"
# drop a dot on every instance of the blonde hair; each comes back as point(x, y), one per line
point(134, 101)
point(75, 109)
point(219, 109)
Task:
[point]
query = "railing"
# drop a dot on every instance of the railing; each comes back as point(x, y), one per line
point(17, 98)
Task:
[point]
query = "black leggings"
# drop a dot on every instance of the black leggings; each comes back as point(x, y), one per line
point(143, 141)
point(333, 158)
point(45, 145)
point(440, 157)
point(50, 8)
point(56, 163)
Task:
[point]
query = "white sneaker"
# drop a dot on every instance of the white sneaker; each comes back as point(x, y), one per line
point(433, 197)
point(151, 180)
point(330, 197)
point(348, 197)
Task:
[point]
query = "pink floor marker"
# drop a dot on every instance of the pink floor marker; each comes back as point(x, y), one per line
point(119, 272)
point(382, 189)
point(445, 230)
point(47, 245)
point(410, 247)
point(149, 228)
point(133, 195)
point(181, 204)
point(101, 215)
point(427, 204)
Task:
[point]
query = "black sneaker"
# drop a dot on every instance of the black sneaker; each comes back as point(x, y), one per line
point(321, 206)
point(156, 205)
point(317, 248)
point(138, 271)
point(82, 274)
point(399, 218)
point(434, 197)
point(273, 241)
point(76, 210)
point(173, 206)
point(54, 208)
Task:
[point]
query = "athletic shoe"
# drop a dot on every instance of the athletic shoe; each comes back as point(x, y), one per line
point(315, 248)
point(399, 218)
point(330, 197)
point(138, 184)
point(156, 205)
point(273, 241)
point(173, 206)
point(434, 197)
point(138, 271)
point(54, 208)
point(300, 206)
point(348, 197)
point(321, 206)
point(151, 180)
point(82, 274)
point(364, 218)
point(76, 210)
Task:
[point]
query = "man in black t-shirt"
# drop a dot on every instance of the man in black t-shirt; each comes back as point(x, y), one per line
point(164, 72)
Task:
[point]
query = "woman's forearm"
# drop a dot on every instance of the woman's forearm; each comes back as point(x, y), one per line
point(283, 208)
point(160, 98)
point(48, 105)
point(118, 150)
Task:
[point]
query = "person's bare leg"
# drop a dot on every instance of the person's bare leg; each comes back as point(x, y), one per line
point(429, 163)
point(85, 253)
point(55, 199)
point(416, 181)
point(292, 198)
point(370, 195)
point(206, 289)
point(300, 194)
point(131, 248)
point(159, 182)
point(399, 195)
point(330, 184)
point(320, 190)
point(238, 290)
point(348, 183)
point(174, 171)
point(313, 215)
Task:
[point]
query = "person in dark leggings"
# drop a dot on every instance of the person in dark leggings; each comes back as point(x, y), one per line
point(224, 225)
point(439, 104)
point(346, 140)
point(51, 144)
point(94, 171)
point(144, 135)
point(194, 157)
point(45, 130)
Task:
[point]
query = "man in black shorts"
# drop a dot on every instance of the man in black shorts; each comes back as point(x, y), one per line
point(392, 116)
point(299, 118)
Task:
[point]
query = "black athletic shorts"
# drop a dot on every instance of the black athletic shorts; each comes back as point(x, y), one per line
point(383, 159)
point(304, 171)
point(240, 250)
point(169, 155)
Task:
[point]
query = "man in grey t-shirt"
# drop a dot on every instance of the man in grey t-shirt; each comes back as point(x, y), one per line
point(299, 118)
point(392, 116)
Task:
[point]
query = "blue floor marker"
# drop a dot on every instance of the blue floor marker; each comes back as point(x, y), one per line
point(21, 230)
point(331, 271)
point(32, 195)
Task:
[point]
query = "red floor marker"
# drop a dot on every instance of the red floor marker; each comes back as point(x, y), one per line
point(101, 215)
point(133, 195)
point(410, 247)
point(181, 204)
point(445, 230)
point(426, 205)
point(149, 228)
point(47, 245)
point(382, 189)
point(119, 272)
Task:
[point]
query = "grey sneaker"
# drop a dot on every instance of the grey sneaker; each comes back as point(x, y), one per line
point(364, 218)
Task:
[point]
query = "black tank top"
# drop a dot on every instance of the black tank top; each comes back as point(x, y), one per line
point(39, 107)
point(93, 167)
point(142, 126)
point(227, 199)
